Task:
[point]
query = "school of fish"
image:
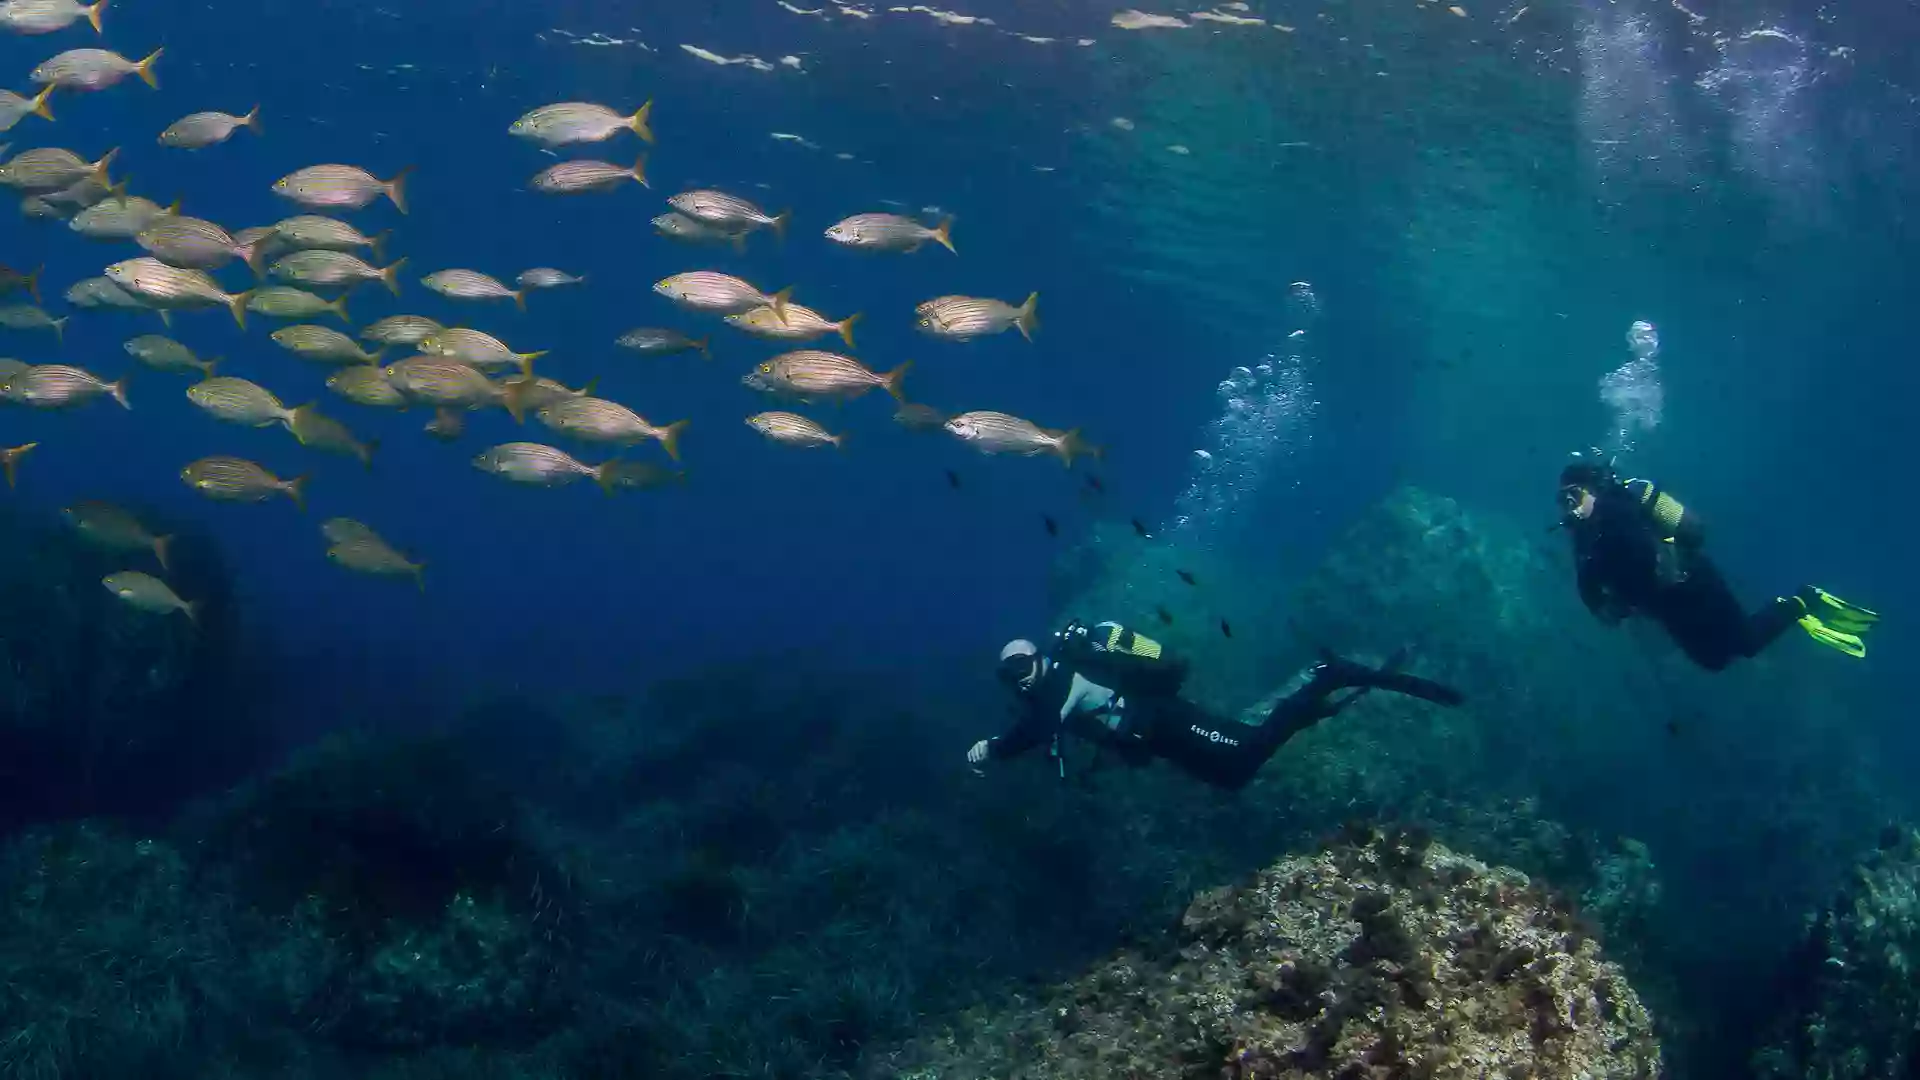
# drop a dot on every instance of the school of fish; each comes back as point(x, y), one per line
point(304, 267)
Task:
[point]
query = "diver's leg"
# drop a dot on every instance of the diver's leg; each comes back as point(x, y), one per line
point(1765, 626)
point(1206, 747)
point(1338, 673)
point(1703, 617)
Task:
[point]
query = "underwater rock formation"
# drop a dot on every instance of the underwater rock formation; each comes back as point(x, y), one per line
point(113, 960)
point(413, 903)
point(1386, 957)
point(1751, 782)
point(1852, 1002)
point(105, 708)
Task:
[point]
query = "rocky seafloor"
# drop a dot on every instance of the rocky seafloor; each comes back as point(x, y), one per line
point(623, 886)
point(1388, 957)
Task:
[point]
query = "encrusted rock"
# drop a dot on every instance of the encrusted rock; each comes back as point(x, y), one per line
point(1389, 958)
point(1852, 1001)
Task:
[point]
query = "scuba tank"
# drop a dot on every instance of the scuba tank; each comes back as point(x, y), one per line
point(1129, 663)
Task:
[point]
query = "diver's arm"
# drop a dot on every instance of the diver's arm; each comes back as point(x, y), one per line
point(1031, 727)
point(1593, 593)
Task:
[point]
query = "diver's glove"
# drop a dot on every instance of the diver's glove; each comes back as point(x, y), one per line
point(978, 754)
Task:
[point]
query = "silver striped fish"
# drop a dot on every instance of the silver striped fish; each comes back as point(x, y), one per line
point(324, 345)
point(889, 232)
point(14, 108)
point(60, 386)
point(597, 420)
point(1000, 433)
point(161, 285)
point(48, 16)
point(149, 594)
point(440, 381)
point(51, 168)
point(372, 555)
point(313, 231)
point(322, 266)
point(472, 285)
point(239, 401)
point(29, 317)
point(810, 374)
point(579, 121)
point(287, 302)
point(260, 237)
point(165, 354)
point(121, 218)
point(232, 479)
point(705, 290)
point(40, 208)
point(963, 318)
point(531, 393)
point(574, 177)
point(347, 186)
point(197, 131)
point(344, 530)
point(94, 69)
point(480, 350)
point(792, 429)
point(535, 463)
point(85, 192)
point(795, 323)
point(364, 384)
point(104, 294)
point(401, 330)
point(311, 429)
point(652, 341)
point(193, 244)
point(731, 212)
point(678, 226)
point(114, 529)
point(546, 277)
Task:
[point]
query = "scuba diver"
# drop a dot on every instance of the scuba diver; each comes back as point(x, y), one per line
point(1638, 550)
point(1120, 689)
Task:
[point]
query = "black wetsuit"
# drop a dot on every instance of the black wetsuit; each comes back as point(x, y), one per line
point(1223, 753)
point(1630, 561)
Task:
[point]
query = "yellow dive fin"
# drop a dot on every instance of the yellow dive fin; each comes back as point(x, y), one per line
point(1832, 638)
point(1837, 613)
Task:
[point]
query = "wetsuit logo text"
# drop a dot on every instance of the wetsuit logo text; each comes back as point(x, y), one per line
point(1214, 736)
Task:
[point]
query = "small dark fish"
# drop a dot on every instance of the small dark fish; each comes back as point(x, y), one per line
point(1166, 617)
point(1053, 527)
point(1226, 628)
point(1673, 728)
point(953, 480)
point(1186, 577)
point(12, 280)
point(1141, 529)
point(1094, 483)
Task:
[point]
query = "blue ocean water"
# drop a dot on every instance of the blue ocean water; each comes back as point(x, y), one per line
point(1479, 205)
point(864, 552)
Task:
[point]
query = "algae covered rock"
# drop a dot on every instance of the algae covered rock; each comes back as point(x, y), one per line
point(415, 901)
point(1852, 1002)
point(1384, 957)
